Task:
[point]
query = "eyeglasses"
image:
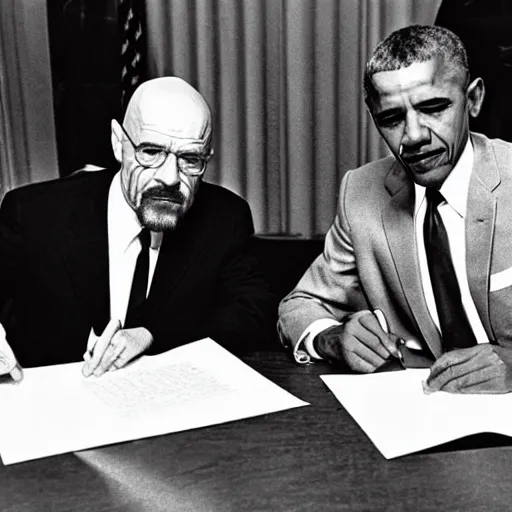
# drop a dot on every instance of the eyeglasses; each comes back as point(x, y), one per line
point(153, 157)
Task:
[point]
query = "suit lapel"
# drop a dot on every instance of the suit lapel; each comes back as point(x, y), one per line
point(398, 223)
point(480, 222)
point(176, 253)
point(85, 253)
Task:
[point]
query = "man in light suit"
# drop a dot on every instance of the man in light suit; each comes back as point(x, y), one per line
point(70, 249)
point(418, 261)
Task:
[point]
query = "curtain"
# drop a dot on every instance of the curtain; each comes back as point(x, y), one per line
point(284, 81)
point(27, 135)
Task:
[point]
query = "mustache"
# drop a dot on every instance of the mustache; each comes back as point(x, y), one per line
point(168, 193)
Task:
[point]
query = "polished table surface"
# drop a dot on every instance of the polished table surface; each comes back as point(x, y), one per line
point(313, 458)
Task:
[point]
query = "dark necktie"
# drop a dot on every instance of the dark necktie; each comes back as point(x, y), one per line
point(139, 283)
point(455, 327)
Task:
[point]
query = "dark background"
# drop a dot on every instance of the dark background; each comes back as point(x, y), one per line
point(86, 70)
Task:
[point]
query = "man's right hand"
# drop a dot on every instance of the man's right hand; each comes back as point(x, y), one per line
point(360, 342)
point(8, 363)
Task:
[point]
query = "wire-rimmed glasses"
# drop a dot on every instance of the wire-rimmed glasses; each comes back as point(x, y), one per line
point(152, 156)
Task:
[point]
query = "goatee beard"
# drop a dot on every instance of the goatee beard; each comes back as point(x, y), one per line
point(162, 207)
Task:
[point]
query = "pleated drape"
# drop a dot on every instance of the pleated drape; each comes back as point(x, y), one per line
point(284, 81)
point(27, 134)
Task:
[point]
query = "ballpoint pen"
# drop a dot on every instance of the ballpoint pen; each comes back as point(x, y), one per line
point(91, 342)
point(384, 325)
point(112, 327)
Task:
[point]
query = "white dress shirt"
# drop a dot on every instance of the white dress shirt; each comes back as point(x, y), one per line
point(123, 249)
point(453, 212)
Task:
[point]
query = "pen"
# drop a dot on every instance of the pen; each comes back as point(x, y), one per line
point(91, 342)
point(100, 343)
point(384, 325)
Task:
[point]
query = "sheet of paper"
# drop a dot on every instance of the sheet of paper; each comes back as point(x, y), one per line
point(399, 418)
point(56, 410)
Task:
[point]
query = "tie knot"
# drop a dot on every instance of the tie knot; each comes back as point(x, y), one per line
point(434, 197)
point(145, 238)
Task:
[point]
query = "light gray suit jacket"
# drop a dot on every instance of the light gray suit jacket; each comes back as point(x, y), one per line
point(370, 260)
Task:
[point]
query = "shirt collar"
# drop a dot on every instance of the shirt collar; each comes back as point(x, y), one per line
point(456, 185)
point(123, 224)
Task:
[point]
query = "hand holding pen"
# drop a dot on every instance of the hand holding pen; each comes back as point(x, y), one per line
point(360, 341)
point(390, 364)
point(101, 347)
point(115, 348)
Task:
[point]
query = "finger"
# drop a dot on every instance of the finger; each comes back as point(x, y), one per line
point(115, 366)
point(390, 365)
point(449, 359)
point(447, 379)
point(356, 333)
point(114, 350)
point(372, 324)
point(115, 356)
point(17, 373)
point(482, 380)
point(371, 342)
point(369, 356)
point(116, 346)
point(488, 386)
point(349, 349)
point(99, 350)
point(359, 364)
point(123, 359)
point(387, 340)
point(137, 341)
point(9, 366)
point(452, 377)
point(101, 346)
point(7, 363)
point(7, 358)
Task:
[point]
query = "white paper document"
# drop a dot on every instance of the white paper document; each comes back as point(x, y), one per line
point(57, 410)
point(399, 418)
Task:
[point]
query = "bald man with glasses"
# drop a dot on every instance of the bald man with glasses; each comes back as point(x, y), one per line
point(110, 265)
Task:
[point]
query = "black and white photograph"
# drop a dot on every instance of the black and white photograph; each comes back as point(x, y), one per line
point(255, 255)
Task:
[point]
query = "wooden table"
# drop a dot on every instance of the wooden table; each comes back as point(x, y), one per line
point(312, 458)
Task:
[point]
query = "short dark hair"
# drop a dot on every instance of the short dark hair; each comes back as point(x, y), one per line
point(416, 43)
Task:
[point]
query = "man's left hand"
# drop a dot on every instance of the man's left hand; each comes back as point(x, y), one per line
point(8, 362)
point(480, 369)
point(120, 348)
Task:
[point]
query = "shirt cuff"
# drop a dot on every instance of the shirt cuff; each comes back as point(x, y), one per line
point(304, 352)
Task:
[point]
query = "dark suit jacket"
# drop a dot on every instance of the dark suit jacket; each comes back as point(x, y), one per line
point(370, 262)
point(54, 272)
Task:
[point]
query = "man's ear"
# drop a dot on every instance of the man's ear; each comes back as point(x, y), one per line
point(116, 138)
point(476, 94)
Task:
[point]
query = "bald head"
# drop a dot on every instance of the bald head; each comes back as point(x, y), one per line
point(171, 107)
point(163, 147)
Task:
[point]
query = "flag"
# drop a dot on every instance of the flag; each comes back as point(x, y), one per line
point(131, 22)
